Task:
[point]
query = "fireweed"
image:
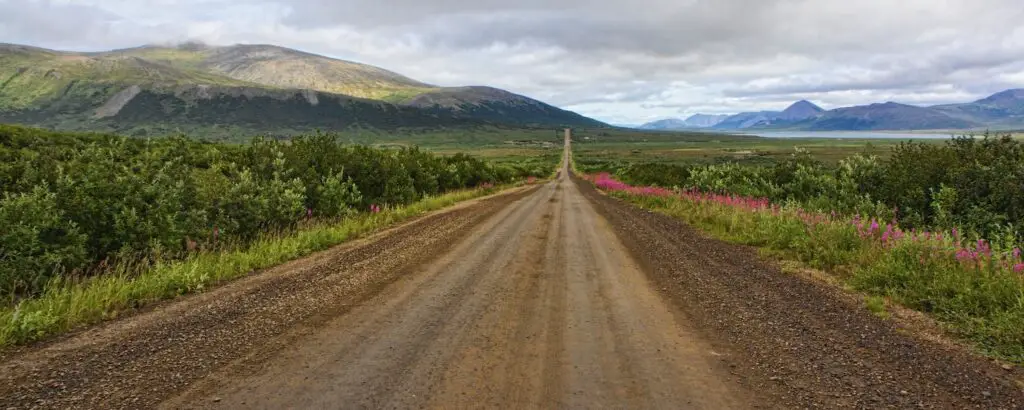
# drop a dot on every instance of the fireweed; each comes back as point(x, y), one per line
point(973, 286)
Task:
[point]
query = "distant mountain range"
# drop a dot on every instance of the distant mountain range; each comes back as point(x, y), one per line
point(252, 88)
point(694, 121)
point(1003, 110)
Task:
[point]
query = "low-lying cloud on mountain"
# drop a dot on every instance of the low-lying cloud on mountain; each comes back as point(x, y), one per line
point(621, 62)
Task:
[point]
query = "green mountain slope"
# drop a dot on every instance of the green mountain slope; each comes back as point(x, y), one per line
point(251, 88)
point(495, 105)
point(286, 68)
point(34, 77)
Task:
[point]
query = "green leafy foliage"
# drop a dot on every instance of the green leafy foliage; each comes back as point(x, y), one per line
point(37, 239)
point(974, 184)
point(75, 202)
point(964, 191)
point(980, 301)
point(64, 305)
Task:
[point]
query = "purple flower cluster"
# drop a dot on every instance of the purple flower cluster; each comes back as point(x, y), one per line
point(606, 182)
point(970, 254)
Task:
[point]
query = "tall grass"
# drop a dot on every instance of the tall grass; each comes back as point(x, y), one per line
point(65, 305)
point(974, 287)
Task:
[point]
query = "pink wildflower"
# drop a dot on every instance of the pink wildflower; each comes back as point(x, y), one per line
point(964, 254)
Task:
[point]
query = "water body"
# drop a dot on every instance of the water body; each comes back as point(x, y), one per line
point(853, 134)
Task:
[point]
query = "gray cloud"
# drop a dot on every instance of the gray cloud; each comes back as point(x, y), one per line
point(48, 22)
point(619, 61)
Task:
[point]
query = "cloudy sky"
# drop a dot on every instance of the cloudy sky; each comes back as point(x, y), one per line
point(621, 61)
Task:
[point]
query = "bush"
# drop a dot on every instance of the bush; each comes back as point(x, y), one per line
point(38, 241)
point(974, 184)
point(156, 199)
point(976, 290)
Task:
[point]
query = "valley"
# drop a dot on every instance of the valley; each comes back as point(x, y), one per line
point(799, 207)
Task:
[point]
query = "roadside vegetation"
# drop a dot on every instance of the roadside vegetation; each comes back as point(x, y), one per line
point(96, 224)
point(935, 227)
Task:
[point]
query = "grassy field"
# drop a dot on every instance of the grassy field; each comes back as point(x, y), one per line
point(632, 146)
point(708, 148)
point(753, 151)
point(596, 146)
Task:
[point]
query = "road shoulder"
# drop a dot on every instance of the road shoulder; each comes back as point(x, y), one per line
point(139, 360)
point(799, 339)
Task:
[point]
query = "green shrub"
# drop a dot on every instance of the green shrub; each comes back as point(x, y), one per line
point(156, 199)
point(37, 241)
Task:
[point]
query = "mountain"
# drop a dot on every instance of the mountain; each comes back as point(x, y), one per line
point(886, 116)
point(704, 120)
point(251, 88)
point(495, 105)
point(1002, 109)
point(800, 110)
point(693, 121)
point(1011, 100)
point(284, 68)
point(748, 120)
point(665, 125)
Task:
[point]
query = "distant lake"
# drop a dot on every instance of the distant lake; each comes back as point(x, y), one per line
point(852, 134)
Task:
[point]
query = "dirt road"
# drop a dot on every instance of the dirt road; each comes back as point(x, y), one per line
point(548, 297)
point(540, 306)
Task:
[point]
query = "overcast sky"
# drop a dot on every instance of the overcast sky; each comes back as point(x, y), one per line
point(621, 61)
